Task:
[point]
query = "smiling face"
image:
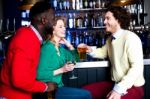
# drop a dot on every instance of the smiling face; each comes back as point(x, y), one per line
point(59, 29)
point(111, 24)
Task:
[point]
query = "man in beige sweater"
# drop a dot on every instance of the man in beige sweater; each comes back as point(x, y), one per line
point(126, 57)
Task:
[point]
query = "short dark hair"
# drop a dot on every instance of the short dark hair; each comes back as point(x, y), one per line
point(38, 8)
point(121, 14)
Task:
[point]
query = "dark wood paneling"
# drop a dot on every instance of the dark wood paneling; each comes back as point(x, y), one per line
point(147, 83)
point(86, 76)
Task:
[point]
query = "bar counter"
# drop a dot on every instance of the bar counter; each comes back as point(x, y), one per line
point(101, 64)
point(97, 71)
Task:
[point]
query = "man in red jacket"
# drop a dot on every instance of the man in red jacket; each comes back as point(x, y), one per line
point(18, 74)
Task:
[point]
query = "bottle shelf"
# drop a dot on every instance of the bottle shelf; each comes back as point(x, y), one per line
point(86, 28)
point(81, 10)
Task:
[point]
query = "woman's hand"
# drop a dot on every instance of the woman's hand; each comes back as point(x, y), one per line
point(113, 95)
point(66, 68)
point(65, 42)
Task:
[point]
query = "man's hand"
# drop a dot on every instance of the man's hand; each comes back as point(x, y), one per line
point(51, 86)
point(113, 95)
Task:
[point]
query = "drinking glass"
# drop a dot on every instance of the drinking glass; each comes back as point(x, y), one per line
point(82, 53)
point(72, 72)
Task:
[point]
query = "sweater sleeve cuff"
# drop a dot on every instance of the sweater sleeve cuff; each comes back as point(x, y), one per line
point(46, 88)
point(119, 90)
point(92, 54)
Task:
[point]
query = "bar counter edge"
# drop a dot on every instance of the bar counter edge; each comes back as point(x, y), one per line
point(100, 64)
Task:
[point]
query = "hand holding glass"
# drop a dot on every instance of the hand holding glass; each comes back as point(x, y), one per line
point(72, 72)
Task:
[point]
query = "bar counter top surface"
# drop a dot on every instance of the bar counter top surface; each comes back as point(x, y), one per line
point(105, 63)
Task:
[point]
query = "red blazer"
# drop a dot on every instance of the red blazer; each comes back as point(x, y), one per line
point(18, 75)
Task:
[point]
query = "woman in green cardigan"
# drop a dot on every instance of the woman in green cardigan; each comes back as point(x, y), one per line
point(53, 62)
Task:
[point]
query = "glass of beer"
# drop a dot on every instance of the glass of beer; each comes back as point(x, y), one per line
point(82, 52)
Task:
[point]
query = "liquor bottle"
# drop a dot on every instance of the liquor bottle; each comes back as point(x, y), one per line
point(86, 37)
point(81, 37)
point(73, 38)
point(77, 40)
point(99, 20)
point(73, 4)
point(60, 5)
point(7, 26)
point(55, 4)
point(102, 4)
point(91, 4)
point(77, 5)
point(90, 39)
point(14, 25)
point(64, 4)
point(86, 20)
point(94, 4)
point(74, 20)
point(98, 3)
point(92, 20)
point(70, 20)
point(81, 4)
point(85, 3)
point(79, 22)
point(68, 36)
point(103, 37)
point(68, 4)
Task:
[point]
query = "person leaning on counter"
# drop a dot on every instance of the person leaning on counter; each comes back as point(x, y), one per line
point(124, 50)
point(18, 74)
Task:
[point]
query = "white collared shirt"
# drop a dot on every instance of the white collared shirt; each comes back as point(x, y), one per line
point(118, 33)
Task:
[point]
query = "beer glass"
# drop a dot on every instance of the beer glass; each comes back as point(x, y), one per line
point(82, 53)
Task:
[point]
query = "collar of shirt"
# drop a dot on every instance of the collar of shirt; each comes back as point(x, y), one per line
point(118, 33)
point(37, 33)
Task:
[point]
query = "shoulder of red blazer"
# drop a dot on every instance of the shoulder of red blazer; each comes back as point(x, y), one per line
point(25, 35)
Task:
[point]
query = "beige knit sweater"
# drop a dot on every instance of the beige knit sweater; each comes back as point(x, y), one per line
point(126, 57)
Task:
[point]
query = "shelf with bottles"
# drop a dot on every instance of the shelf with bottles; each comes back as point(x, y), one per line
point(83, 21)
point(86, 10)
point(92, 38)
point(81, 14)
point(86, 28)
point(137, 13)
point(79, 5)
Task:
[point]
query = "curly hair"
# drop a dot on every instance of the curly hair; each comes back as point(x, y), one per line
point(121, 14)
